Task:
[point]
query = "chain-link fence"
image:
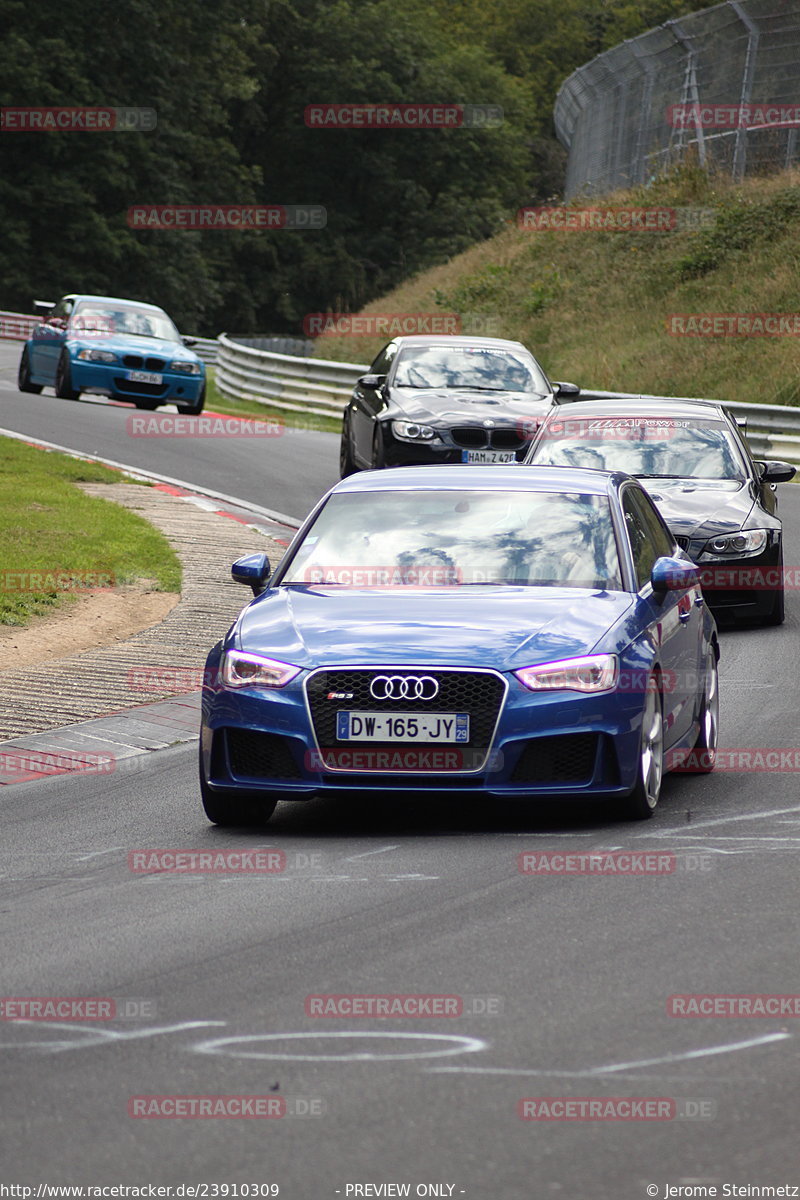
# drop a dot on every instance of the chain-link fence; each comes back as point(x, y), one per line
point(722, 85)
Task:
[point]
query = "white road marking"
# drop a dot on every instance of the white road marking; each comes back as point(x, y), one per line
point(613, 1068)
point(95, 1035)
point(760, 816)
point(459, 1045)
point(368, 853)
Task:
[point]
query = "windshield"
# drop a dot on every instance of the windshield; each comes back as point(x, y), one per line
point(667, 447)
point(100, 318)
point(481, 367)
point(455, 538)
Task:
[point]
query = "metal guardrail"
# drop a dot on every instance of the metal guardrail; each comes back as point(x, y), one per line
point(322, 386)
point(312, 385)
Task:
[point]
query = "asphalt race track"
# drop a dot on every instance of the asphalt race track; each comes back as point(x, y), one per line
point(563, 980)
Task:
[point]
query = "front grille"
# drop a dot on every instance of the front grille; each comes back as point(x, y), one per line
point(132, 360)
point(565, 758)
point(154, 364)
point(508, 439)
point(683, 542)
point(141, 389)
point(479, 693)
point(470, 438)
point(256, 755)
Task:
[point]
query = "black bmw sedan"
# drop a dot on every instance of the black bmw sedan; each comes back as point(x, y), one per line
point(446, 399)
point(718, 501)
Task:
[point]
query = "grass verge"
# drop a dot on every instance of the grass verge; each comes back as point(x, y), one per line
point(594, 306)
point(216, 402)
point(68, 542)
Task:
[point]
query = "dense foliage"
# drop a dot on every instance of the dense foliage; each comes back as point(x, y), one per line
point(230, 80)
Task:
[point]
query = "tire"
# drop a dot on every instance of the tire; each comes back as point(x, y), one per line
point(64, 388)
point(148, 405)
point(24, 375)
point(378, 450)
point(777, 614)
point(347, 464)
point(194, 410)
point(231, 808)
point(703, 758)
point(641, 801)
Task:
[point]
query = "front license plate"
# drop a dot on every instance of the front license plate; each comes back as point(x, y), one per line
point(144, 377)
point(488, 456)
point(402, 727)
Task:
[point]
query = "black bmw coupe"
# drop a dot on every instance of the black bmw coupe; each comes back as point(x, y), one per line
point(446, 399)
point(690, 455)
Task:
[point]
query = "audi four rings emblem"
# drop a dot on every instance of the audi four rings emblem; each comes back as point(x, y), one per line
point(404, 687)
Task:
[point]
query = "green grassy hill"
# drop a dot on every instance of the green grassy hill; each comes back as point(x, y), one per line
point(593, 306)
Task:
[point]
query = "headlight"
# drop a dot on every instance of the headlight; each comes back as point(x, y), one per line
point(746, 541)
point(251, 670)
point(410, 431)
point(594, 673)
point(97, 356)
point(185, 368)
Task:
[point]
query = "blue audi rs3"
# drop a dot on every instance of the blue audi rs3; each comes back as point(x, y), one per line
point(119, 348)
point(519, 633)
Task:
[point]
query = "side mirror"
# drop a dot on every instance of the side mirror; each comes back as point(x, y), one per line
point(253, 571)
point(189, 341)
point(673, 575)
point(372, 381)
point(776, 471)
point(566, 389)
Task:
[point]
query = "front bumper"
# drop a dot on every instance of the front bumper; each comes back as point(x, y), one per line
point(543, 745)
point(745, 587)
point(110, 379)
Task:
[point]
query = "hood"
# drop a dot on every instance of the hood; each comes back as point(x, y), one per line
point(131, 343)
point(502, 627)
point(439, 406)
point(701, 507)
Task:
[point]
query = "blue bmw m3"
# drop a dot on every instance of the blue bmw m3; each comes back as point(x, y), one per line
point(519, 632)
point(119, 348)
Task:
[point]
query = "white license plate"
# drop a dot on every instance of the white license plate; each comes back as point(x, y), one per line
point(144, 377)
point(488, 456)
point(402, 727)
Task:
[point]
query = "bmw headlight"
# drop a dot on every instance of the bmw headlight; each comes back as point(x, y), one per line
point(104, 356)
point(591, 673)
point(410, 431)
point(734, 545)
point(185, 368)
point(251, 670)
